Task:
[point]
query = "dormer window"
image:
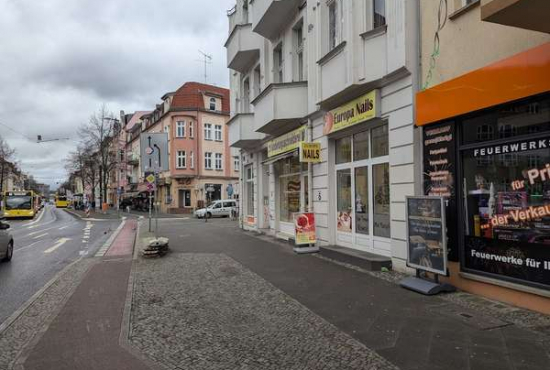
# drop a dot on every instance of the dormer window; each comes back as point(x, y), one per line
point(212, 103)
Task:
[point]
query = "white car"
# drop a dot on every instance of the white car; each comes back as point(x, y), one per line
point(6, 242)
point(219, 208)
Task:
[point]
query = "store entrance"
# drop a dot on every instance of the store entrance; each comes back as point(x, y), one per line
point(362, 191)
point(292, 196)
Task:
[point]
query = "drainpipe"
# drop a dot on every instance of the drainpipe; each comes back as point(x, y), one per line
point(310, 168)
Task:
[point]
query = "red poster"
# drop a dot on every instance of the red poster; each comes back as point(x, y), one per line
point(304, 224)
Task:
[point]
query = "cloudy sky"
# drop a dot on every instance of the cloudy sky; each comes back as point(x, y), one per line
point(61, 60)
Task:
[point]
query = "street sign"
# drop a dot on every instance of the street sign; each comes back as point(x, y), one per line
point(154, 152)
point(151, 187)
point(150, 179)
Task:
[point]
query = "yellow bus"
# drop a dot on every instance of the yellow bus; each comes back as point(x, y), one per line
point(19, 204)
point(61, 201)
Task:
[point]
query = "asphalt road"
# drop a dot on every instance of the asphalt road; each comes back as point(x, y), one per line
point(43, 247)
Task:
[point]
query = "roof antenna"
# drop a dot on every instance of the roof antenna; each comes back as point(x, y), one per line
point(206, 59)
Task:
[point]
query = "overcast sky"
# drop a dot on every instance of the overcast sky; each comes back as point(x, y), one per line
point(60, 60)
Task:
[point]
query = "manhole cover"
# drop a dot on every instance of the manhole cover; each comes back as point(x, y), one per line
point(469, 317)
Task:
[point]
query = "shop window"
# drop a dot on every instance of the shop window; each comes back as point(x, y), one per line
point(381, 183)
point(289, 173)
point(249, 190)
point(361, 146)
point(343, 200)
point(343, 150)
point(507, 122)
point(362, 200)
point(380, 142)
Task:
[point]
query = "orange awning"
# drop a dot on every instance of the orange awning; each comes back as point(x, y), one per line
point(519, 76)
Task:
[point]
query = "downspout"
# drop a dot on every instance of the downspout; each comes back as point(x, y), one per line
point(310, 169)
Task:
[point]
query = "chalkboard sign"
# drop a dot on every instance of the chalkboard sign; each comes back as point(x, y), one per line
point(426, 234)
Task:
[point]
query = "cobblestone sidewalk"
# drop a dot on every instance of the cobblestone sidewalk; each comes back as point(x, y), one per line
point(206, 311)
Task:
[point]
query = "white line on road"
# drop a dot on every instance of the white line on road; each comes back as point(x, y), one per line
point(39, 236)
point(27, 246)
point(59, 243)
point(64, 227)
point(38, 219)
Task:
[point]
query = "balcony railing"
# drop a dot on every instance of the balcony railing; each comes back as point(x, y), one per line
point(243, 48)
point(271, 16)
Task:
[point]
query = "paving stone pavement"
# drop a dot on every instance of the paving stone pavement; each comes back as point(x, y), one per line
point(34, 320)
point(207, 311)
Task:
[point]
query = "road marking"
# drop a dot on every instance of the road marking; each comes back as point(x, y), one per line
point(64, 227)
point(59, 243)
point(27, 246)
point(39, 236)
point(101, 252)
point(38, 219)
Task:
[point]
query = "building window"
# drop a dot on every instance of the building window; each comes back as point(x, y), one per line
point(218, 132)
point(236, 163)
point(191, 132)
point(249, 179)
point(180, 129)
point(363, 183)
point(334, 24)
point(207, 131)
point(289, 174)
point(299, 51)
point(257, 82)
point(192, 160)
point(212, 103)
point(181, 159)
point(208, 160)
point(379, 13)
point(278, 63)
point(218, 161)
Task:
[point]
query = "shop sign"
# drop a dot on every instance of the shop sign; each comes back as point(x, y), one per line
point(286, 143)
point(520, 146)
point(356, 111)
point(304, 225)
point(310, 152)
point(426, 234)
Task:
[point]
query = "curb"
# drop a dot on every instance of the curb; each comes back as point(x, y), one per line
point(14, 316)
point(89, 218)
point(125, 330)
point(105, 247)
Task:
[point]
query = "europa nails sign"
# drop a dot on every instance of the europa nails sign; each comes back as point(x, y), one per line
point(361, 109)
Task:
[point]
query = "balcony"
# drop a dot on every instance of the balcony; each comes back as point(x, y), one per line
point(241, 131)
point(243, 48)
point(132, 159)
point(527, 14)
point(271, 16)
point(280, 107)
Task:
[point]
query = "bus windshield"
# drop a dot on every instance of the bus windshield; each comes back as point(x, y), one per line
point(61, 199)
point(18, 202)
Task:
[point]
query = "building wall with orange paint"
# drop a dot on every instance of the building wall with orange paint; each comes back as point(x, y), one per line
point(466, 42)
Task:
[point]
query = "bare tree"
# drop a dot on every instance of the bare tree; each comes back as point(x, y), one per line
point(82, 163)
point(6, 160)
point(98, 134)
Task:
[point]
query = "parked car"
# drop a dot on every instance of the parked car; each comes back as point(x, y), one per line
point(6, 242)
point(218, 208)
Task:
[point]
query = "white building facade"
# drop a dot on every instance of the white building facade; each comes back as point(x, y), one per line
point(342, 73)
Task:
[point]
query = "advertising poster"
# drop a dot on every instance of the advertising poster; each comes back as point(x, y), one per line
point(426, 234)
point(440, 175)
point(304, 224)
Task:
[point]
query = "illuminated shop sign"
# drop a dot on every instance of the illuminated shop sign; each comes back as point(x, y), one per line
point(521, 146)
point(364, 108)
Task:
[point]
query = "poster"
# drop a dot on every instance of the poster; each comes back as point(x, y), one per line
point(440, 165)
point(426, 234)
point(304, 224)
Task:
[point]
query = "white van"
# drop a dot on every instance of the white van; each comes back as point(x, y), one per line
point(218, 208)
